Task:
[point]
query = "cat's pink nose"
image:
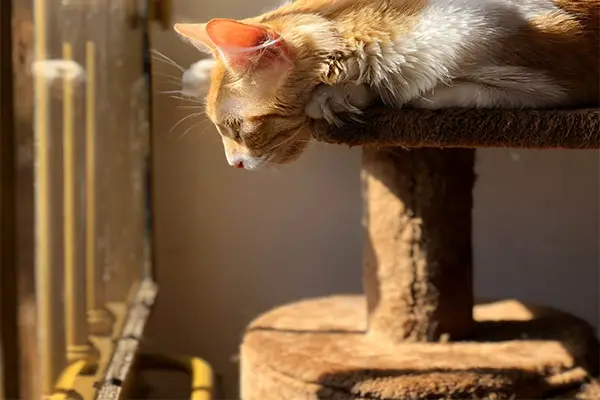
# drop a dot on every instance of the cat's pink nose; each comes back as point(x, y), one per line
point(237, 160)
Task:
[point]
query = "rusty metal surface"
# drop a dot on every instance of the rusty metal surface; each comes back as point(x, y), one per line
point(128, 342)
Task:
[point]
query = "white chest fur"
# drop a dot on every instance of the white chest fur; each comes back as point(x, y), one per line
point(445, 61)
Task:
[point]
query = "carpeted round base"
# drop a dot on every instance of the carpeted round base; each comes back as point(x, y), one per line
point(318, 349)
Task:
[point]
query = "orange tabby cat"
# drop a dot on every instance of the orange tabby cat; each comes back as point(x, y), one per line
point(313, 59)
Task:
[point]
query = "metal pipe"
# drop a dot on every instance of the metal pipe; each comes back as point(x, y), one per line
point(76, 333)
point(51, 351)
point(99, 318)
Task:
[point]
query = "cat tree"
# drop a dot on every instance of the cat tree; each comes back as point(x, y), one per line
point(416, 334)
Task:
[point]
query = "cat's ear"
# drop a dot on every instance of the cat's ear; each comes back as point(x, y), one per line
point(196, 34)
point(243, 45)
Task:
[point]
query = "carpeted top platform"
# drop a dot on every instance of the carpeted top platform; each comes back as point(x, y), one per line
point(540, 129)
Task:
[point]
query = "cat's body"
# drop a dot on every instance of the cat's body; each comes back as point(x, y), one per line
point(476, 53)
point(314, 59)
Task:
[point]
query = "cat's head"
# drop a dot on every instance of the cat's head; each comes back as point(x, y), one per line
point(261, 77)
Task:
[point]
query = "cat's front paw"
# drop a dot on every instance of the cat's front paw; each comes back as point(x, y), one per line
point(318, 105)
point(328, 101)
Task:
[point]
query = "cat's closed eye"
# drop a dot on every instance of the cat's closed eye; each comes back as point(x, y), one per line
point(236, 127)
point(230, 131)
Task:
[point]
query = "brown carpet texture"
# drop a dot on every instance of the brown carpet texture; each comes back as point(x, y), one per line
point(415, 333)
point(319, 349)
point(541, 129)
point(417, 251)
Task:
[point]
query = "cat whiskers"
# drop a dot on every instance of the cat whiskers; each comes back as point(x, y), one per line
point(169, 78)
point(196, 114)
point(182, 97)
point(165, 59)
point(271, 153)
point(200, 103)
point(286, 141)
point(192, 107)
point(178, 94)
point(193, 126)
point(170, 82)
point(190, 99)
point(165, 75)
point(276, 166)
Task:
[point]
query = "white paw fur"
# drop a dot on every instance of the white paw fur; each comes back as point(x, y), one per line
point(327, 101)
point(196, 79)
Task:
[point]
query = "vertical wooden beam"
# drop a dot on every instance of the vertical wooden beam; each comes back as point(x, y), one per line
point(23, 39)
point(9, 338)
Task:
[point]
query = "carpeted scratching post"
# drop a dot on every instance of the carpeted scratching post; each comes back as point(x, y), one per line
point(417, 267)
point(416, 334)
